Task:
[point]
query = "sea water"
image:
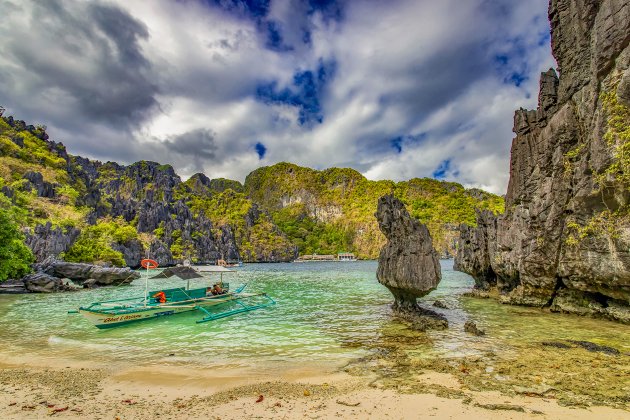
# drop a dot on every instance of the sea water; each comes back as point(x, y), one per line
point(327, 314)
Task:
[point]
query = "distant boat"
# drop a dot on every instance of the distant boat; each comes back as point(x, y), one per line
point(223, 263)
point(342, 256)
point(346, 256)
point(165, 302)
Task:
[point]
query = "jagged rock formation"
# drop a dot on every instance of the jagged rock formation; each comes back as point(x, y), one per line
point(471, 328)
point(408, 264)
point(46, 240)
point(564, 239)
point(62, 197)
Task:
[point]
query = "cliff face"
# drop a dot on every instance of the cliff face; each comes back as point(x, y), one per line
point(564, 239)
point(87, 211)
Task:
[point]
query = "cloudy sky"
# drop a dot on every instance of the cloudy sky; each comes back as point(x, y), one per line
point(394, 89)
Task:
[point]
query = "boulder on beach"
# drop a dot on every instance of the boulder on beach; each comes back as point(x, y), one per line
point(408, 264)
point(80, 272)
point(45, 283)
point(54, 275)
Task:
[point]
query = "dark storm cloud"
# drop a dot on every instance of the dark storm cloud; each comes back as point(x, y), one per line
point(394, 89)
point(200, 142)
point(191, 150)
point(84, 55)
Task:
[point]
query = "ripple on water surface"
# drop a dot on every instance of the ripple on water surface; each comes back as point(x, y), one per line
point(326, 313)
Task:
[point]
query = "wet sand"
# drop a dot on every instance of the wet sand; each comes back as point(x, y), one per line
point(71, 390)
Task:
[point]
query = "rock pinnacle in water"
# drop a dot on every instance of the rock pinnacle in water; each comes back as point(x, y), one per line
point(408, 264)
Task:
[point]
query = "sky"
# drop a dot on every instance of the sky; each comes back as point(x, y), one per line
point(395, 89)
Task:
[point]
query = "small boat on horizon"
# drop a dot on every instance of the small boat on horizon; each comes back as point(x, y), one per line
point(165, 302)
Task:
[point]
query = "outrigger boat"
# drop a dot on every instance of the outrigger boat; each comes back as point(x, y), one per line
point(114, 313)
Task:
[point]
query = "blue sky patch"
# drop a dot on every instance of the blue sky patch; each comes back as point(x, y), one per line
point(253, 9)
point(397, 144)
point(511, 63)
point(260, 149)
point(329, 9)
point(442, 169)
point(275, 41)
point(304, 93)
point(516, 79)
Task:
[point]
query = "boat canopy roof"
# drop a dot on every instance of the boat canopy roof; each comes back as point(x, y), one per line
point(191, 272)
point(184, 273)
point(211, 269)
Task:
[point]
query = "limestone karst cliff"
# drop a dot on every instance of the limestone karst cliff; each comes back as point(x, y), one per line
point(87, 211)
point(408, 265)
point(564, 238)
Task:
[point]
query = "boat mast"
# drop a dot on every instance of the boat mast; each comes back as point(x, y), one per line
point(148, 264)
point(146, 285)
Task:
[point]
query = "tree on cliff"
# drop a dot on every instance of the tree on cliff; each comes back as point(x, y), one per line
point(15, 257)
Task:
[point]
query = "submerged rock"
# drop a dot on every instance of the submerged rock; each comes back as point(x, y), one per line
point(408, 264)
point(555, 344)
point(471, 327)
point(440, 304)
point(587, 345)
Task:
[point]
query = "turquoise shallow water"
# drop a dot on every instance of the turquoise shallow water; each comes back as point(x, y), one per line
point(326, 315)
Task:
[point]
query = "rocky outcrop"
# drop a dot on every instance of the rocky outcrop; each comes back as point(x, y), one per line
point(476, 248)
point(132, 251)
point(564, 239)
point(408, 265)
point(471, 328)
point(52, 275)
point(38, 185)
point(80, 272)
point(44, 283)
point(46, 240)
point(11, 286)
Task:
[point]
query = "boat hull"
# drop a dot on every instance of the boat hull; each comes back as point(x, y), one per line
point(104, 320)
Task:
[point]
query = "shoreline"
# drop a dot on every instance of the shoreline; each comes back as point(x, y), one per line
point(70, 389)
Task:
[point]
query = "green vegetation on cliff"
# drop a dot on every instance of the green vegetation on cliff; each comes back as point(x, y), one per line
point(616, 176)
point(256, 236)
point(122, 210)
point(333, 210)
point(15, 257)
point(21, 154)
point(94, 244)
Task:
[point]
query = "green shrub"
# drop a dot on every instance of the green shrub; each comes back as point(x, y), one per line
point(94, 244)
point(15, 256)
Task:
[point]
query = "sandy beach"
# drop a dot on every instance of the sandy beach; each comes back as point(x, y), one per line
point(75, 390)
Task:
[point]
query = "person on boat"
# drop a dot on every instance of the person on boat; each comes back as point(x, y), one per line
point(160, 297)
point(216, 290)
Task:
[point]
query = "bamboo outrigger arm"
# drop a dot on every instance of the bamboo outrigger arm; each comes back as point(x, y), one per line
point(244, 308)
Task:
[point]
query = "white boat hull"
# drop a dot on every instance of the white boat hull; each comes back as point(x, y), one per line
point(104, 320)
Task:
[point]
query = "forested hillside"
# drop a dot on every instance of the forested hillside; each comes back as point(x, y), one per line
point(333, 210)
point(83, 210)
